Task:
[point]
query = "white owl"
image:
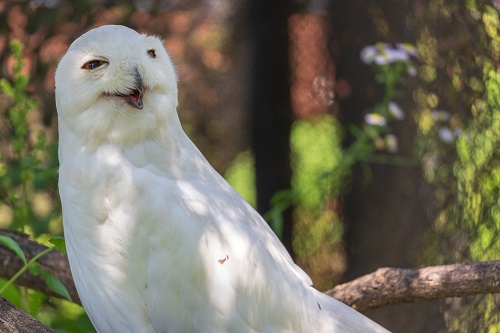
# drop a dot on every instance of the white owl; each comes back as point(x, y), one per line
point(157, 240)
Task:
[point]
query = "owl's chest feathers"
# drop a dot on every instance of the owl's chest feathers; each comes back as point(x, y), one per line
point(133, 207)
point(102, 187)
point(130, 197)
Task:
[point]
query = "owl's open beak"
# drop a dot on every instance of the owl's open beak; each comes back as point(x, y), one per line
point(135, 97)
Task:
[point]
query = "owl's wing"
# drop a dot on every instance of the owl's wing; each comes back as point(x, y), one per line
point(96, 245)
point(205, 261)
point(211, 260)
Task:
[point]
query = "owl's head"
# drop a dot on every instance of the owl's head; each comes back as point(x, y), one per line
point(116, 86)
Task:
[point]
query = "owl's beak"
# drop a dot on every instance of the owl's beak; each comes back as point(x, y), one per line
point(135, 97)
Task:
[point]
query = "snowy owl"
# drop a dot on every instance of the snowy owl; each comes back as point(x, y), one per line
point(157, 240)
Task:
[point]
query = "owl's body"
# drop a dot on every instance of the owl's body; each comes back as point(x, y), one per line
point(157, 240)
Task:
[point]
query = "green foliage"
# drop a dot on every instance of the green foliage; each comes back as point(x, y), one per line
point(467, 177)
point(241, 175)
point(463, 167)
point(280, 202)
point(59, 243)
point(23, 173)
point(14, 247)
point(54, 284)
point(478, 175)
point(28, 167)
point(316, 151)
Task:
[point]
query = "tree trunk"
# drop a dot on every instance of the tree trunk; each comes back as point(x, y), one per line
point(270, 103)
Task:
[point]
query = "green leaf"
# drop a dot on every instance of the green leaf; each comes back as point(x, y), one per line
point(34, 268)
point(6, 88)
point(59, 242)
point(55, 284)
point(12, 245)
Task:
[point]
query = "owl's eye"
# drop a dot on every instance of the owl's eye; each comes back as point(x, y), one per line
point(93, 64)
point(152, 53)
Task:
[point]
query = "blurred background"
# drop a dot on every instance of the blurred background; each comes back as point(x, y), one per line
point(366, 132)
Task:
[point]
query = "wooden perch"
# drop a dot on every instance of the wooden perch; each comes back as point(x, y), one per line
point(13, 319)
point(393, 285)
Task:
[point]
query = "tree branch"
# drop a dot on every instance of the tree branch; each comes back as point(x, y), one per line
point(383, 287)
point(393, 285)
point(55, 262)
point(13, 319)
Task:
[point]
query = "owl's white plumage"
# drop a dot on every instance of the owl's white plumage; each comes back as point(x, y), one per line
point(157, 240)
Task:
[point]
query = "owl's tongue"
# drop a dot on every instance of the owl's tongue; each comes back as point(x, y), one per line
point(134, 99)
point(135, 96)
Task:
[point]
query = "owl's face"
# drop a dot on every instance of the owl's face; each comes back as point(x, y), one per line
point(115, 86)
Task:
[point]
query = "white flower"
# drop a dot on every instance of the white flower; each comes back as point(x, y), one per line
point(408, 48)
point(440, 115)
point(412, 71)
point(446, 135)
point(395, 110)
point(368, 54)
point(397, 55)
point(375, 119)
point(391, 143)
point(389, 56)
point(384, 53)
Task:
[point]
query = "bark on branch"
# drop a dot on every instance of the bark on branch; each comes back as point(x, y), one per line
point(393, 285)
point(13, 319)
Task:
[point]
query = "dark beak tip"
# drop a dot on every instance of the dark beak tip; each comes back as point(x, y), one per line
point(136, 104)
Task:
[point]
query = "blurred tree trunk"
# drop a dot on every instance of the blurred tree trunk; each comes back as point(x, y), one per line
point(386, 215)
point(270, 103)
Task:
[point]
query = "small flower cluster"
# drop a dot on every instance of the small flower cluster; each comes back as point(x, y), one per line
point(445, 133)
point(384, 53)
point(376, 119)
point(390, 141)
point(392, 65)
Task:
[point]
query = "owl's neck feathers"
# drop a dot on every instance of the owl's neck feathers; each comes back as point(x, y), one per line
point(104, 124)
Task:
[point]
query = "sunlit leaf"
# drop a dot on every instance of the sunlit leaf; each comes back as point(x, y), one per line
point(59, 242)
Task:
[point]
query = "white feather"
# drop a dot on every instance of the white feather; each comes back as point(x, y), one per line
point(157, 240)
